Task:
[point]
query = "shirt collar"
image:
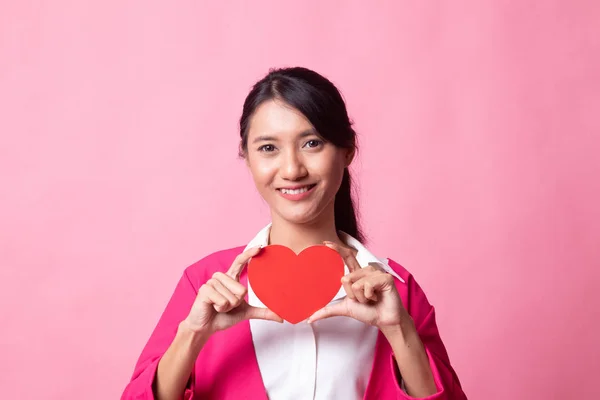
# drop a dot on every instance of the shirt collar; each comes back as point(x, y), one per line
point(363, 256)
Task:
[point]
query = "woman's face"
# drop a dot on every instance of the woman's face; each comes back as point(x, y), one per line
point(294, 169)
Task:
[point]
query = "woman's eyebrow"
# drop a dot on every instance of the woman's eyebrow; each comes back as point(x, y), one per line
point(308, 132)
point(267, 138)
point(264, 139)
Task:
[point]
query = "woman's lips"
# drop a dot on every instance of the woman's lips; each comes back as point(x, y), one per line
point(297, 193)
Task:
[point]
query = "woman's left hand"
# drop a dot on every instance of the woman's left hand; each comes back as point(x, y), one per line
point(371, 298)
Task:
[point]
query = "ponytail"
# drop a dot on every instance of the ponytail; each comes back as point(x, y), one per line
point(344, 209)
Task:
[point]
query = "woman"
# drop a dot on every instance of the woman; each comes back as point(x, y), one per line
point(376, 340)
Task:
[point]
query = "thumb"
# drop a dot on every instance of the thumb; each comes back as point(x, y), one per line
point(261, 313)
point(339, 309)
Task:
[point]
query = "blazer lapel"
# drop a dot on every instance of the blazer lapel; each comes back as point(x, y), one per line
point(252, 385)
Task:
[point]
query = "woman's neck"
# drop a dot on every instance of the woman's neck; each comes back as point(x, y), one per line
point(300, 236)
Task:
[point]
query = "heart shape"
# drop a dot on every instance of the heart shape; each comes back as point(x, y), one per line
point(296, 286)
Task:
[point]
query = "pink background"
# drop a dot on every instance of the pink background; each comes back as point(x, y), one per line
point(479, 171)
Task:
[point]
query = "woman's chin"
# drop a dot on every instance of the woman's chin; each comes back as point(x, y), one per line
point(299, 218)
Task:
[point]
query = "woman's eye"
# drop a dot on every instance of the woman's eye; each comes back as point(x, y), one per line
point(313, 143)
point(267, 148)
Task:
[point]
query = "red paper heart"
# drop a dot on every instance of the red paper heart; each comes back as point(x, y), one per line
point(295, 286)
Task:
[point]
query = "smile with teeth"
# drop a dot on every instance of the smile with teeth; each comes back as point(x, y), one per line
point(297, 191)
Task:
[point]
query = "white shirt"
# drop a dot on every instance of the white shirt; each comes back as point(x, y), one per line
point(328, 359)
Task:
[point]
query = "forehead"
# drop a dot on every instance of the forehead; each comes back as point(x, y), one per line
point(277, 118)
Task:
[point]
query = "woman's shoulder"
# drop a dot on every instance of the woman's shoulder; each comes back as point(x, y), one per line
point(218, 261)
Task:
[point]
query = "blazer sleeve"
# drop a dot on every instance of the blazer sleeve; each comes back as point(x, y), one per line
point(141, 384)
point(423, 314)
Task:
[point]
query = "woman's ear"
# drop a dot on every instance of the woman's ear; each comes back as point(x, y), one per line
point(350, 153)
point(242, 153)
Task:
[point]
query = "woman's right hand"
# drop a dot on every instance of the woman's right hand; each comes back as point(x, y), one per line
point(220, 303)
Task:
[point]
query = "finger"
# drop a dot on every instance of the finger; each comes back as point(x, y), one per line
point(347, 283)
point(355, 276)
point(232, 299)
point(382, 281)
point(368, 285)
point(231, 284)
point(339, 309)
point(371, 284)
point(347, 255)
point(358, 289)
point(241, 260)
point(369, 291)
point(358, 274)
point(252, 312)
point(217, 300)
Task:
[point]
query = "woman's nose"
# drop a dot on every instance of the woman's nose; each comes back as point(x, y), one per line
point(292, 167)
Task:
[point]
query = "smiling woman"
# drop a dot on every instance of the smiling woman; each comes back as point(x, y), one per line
point(376, 339)
point(296, 133)
point(297, 171)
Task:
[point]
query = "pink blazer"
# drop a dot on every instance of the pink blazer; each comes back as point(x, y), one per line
point(226, 368)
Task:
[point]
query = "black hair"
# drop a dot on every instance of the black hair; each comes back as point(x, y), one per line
point(321, 103)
